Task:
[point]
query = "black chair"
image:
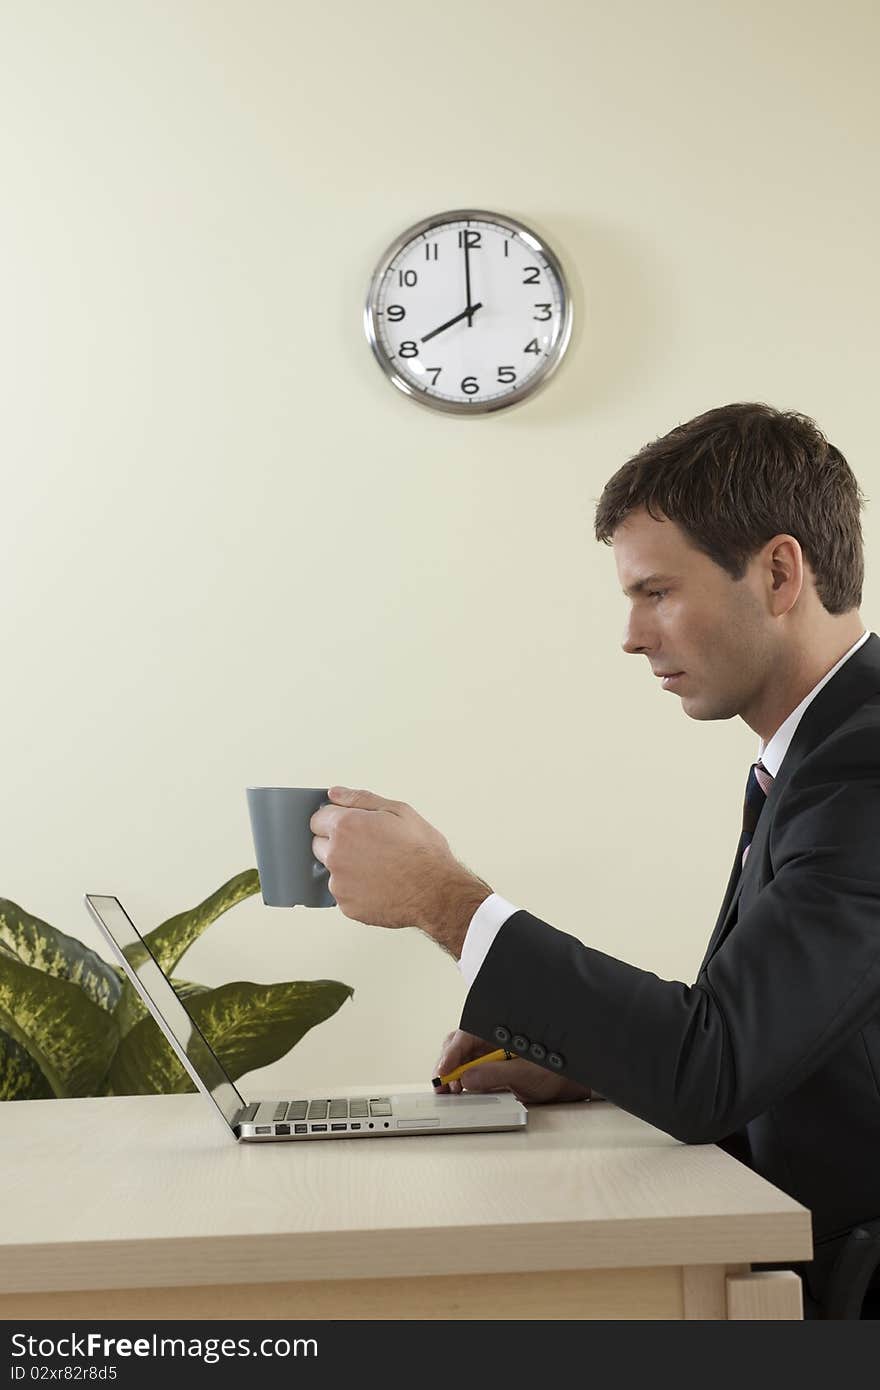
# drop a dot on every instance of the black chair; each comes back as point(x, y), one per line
point(853, 1287)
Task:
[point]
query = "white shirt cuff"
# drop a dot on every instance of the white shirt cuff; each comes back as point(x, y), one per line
point(485, 925)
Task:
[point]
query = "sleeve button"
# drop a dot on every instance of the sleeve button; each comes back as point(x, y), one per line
point(502, 1034)
point(520, 1043)
point(556, 1061)
point(538, 1051)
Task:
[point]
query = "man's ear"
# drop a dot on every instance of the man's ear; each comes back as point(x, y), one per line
point(785, 561)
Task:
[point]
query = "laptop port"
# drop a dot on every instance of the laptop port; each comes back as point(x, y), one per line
point(338, 1127)
point(282, 1129)
point(355, 1126)
point(263, 1129)
point(300, 1129)
point(319, 1129)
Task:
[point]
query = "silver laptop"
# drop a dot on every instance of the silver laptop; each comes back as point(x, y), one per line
point(260, 1121)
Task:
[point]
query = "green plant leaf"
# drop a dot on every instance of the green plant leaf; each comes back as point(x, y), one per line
point(248, 1026)
point(70, 1039)
point(43, 947)
point(168, 942)
point(20, 1077)
point(184, 989)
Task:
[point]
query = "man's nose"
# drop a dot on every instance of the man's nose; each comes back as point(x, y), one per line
point(635, 636)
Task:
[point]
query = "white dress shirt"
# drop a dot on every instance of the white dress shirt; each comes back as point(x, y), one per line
point(491, 915)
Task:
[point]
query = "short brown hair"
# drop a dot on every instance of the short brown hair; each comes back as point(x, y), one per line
point(739, 475)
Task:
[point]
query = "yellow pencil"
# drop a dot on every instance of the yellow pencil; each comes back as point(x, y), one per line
point(499, 1056)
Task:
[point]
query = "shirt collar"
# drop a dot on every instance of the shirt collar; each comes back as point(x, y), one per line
point(774, 750)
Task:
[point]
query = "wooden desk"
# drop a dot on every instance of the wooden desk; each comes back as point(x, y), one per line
point(137, 1207)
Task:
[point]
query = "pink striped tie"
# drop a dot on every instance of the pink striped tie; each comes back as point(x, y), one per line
point(757, 790)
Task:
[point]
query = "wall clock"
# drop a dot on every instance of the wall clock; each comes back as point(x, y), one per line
point(468, 312)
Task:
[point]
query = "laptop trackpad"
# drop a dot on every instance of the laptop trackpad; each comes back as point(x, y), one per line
point(445, 1105)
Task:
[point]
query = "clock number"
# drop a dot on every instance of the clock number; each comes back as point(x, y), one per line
point(429, 247)
point(532, 276)
point(473, 239)
point(396, 312)
point(436, 371)
point(470, 386)
point(533, 347)
point(542, 317)
point(407, 277)
point(506, 374)
point(409, 349)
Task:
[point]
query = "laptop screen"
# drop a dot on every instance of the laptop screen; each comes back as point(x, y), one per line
point(169, 1011)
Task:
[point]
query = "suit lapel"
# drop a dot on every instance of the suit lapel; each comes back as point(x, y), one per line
point(854, 683)
point(731, 897)
point(729, 910)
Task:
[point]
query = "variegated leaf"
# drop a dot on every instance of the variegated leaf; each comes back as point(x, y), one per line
point(168, 942)
point(133, 1008)
point(20, 1077)
point(248, 1026)
point(69, 1038)
point(43, 947)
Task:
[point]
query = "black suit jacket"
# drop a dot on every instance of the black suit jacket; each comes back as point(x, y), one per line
point(774, 1050)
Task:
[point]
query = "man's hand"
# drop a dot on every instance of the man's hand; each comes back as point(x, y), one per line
point(530, 1083)
point(390, 868)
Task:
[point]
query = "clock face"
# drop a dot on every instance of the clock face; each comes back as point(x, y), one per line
point(468, 312)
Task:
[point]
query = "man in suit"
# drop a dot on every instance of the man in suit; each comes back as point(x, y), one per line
point(737, 540)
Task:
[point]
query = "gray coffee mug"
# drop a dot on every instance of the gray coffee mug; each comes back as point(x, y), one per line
point(289, 872)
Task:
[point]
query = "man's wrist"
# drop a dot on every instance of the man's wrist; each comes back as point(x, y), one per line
point(457, 898)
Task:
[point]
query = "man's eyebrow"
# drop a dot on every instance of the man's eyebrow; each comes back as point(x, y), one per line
point(641, 584)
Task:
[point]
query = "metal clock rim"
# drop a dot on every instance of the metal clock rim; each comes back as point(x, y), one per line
point(538, 379)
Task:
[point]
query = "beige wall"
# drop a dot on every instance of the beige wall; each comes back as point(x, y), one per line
point(233, 554)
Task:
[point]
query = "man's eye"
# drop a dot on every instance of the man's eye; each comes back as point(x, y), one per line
point(657, 593)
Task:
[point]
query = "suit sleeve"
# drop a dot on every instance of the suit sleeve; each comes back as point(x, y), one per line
point(797, 975)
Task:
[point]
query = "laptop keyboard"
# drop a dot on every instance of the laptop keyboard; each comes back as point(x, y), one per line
point(332, 1109)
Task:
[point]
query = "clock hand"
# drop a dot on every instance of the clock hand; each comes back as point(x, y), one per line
point(465, 314)
point(467, 279)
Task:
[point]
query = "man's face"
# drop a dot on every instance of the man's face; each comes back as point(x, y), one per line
point(691, 618)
